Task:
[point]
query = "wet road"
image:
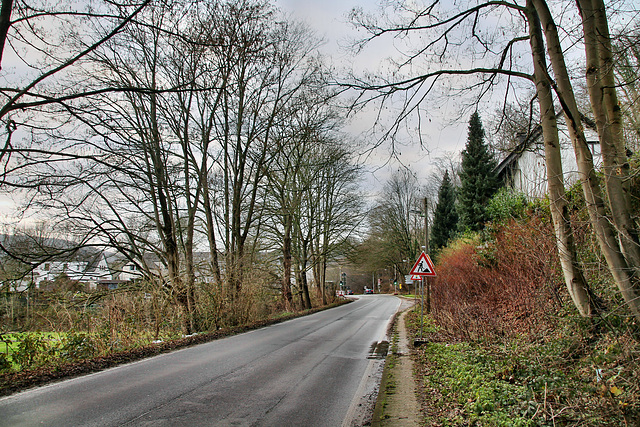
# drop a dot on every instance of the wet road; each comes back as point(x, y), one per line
point(311, 371)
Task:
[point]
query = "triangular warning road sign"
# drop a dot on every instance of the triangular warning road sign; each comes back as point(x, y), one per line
point(423, 266)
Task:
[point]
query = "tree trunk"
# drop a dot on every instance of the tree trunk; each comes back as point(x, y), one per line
point(298, 282)
point(164, 216)
point(573, 276)
point(286, 262)
point(323, 286)
point(601, 224)
point(5, 23)
point(211, 234)
point(190, 283)
point(304, 285)
point(604, 102)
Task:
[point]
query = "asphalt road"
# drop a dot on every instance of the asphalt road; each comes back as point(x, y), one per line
point(311, 371)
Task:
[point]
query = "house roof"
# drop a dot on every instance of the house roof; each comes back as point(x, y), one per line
point(525, 142)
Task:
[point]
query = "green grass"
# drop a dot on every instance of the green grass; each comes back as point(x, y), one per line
point(10, 341)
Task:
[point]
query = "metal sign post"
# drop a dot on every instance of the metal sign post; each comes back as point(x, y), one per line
point(422, 282)
point(423, 267)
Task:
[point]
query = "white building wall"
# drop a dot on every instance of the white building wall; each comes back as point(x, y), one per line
point(130, 271)
point(530, 174)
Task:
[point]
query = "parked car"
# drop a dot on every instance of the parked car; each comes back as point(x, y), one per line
point(368, 291)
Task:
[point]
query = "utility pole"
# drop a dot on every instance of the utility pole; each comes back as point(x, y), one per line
point(424, 283)
point(426, 250)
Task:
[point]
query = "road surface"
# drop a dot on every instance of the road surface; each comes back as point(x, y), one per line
point(312, 371)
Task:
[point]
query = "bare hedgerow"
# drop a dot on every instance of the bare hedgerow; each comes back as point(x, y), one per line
point(508, 285)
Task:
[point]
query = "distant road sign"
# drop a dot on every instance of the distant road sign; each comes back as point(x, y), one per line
point(423, 266)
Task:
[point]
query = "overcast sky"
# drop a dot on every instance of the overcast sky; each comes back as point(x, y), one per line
point(329, 19)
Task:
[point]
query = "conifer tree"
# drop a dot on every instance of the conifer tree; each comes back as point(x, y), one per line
point(478, 178)
point(445, 219)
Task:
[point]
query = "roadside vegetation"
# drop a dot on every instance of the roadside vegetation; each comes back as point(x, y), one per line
point(506, 346)
point(120, 328)
point(61, 334)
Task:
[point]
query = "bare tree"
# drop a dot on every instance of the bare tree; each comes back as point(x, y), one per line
point(333, 206)
point(267, 64)
point(619, 242)
point(493, 57)
point(394, 229)
point(574, 278)
point(316, 206)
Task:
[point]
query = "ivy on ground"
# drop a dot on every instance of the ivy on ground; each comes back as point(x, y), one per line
point(563, 379)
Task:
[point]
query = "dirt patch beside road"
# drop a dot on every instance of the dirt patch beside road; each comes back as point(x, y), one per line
point(397, 404)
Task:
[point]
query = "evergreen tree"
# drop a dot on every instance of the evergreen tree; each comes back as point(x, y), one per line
point(478, 178)
point(445, 219)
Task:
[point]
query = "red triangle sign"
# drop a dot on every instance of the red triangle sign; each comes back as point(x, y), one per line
point(423, 267)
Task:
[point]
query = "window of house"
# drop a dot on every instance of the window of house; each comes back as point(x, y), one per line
point(47, 266)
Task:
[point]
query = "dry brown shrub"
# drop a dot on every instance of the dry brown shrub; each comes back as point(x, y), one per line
point(510, 285)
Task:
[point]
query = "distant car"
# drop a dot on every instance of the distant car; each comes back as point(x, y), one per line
point(349, 292)
point(368, 291)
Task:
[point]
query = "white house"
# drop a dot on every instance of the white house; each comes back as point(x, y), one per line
point(129, 271)
point(524, 168)
point(101, 270)
point(82, 266)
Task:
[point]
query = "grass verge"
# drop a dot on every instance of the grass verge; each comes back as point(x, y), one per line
point(577, 375)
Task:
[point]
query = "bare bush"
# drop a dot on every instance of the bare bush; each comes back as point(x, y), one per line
point(509, 285)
